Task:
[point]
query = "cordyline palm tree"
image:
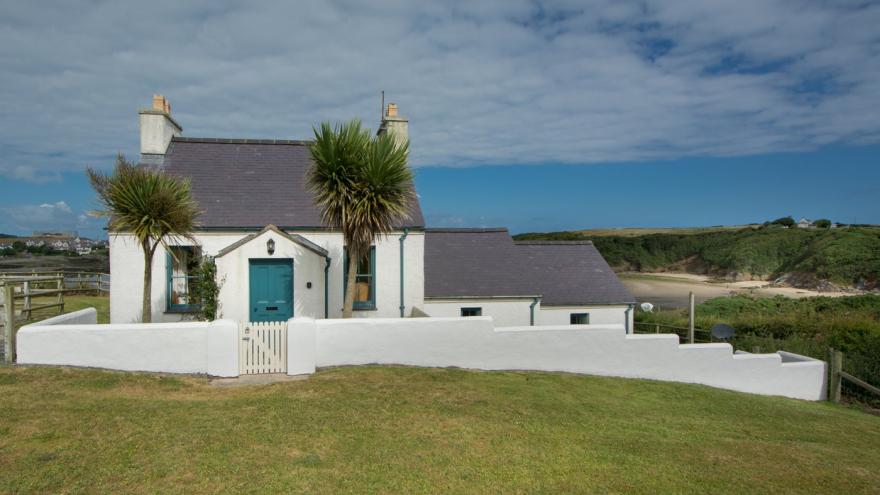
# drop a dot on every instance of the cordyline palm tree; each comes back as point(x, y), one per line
point(362, 186)
point(151, 205)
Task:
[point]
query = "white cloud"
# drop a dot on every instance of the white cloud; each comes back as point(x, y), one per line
point(47, 216)
point(482, 82)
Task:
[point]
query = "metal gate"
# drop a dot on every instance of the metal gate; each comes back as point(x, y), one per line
point(263, 347)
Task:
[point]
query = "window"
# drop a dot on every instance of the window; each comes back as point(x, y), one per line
point(364, 282)
point(180, 263)
point(471, 311)
point(580, 318)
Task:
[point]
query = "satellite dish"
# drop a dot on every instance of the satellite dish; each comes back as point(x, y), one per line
point(647, 307)
point(722, 332)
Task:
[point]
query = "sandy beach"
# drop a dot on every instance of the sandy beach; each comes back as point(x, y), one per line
point(670, 290)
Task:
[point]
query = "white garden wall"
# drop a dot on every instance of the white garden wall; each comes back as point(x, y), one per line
point(592, 349)
point(189, 347)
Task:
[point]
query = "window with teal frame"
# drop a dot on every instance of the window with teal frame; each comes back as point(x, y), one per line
point(180, 264)
point(364, 282)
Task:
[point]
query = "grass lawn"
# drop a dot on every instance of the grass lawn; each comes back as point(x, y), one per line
point(74, 303)
point(386, 429)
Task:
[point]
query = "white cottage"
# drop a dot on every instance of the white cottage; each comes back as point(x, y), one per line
point(276, 260)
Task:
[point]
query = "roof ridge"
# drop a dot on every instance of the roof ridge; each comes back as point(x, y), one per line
point(553, 243)
point(465, 230)
point(182, 139)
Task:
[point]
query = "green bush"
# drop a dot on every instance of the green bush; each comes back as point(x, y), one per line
point(205, 288)
point(808, 326)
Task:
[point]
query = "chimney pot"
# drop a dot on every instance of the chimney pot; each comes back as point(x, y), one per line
point(159, 102)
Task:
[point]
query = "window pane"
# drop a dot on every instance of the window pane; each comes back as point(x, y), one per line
point(471, 311)
point(363, 289)
point(364, 266)
point(184, 260)
point(364, 294)
point(580, 318)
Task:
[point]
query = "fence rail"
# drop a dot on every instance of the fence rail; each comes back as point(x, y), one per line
point(73, 280)
point(701, 335)
point(836, 375)
point(22, 294)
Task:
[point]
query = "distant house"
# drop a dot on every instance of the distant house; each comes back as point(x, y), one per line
point(276, 259)
point(805, 223)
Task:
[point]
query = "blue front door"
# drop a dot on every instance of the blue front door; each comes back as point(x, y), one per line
point(271, 290)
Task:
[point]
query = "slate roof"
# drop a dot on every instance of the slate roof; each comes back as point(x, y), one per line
point(251, 183)
point(487, 262)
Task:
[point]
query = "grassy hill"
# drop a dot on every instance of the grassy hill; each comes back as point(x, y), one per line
point(388, 429)
point(806, 257)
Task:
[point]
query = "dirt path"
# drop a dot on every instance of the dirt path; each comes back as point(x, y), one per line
point(670, 290)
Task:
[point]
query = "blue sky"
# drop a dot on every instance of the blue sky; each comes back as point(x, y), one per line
point(528, 114)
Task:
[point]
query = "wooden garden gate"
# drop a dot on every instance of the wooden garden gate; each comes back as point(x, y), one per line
point(263, 347)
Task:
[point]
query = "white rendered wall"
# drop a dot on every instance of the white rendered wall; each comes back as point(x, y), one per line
point(515, 311)
point(189, 347)
point(234, 272)
point(387, 272)
point(592, 349)
point(126, 268)
point(599, 315)
point(504, 312)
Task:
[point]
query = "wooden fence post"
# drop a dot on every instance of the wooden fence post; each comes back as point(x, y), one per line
point(835, 364)
point(691, 318)
point(60, 287)
point(9, 323)
point(26, 308)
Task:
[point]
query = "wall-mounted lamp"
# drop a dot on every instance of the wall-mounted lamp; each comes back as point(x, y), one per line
point(270, 246)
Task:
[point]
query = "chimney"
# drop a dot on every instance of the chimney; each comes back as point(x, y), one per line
point(394, 124)
point(157, 129)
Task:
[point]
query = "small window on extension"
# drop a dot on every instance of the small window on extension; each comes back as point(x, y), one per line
point(580, 318)
point(471, 311)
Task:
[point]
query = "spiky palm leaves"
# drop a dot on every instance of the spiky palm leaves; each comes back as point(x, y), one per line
point(363, 187)
point(150, 205)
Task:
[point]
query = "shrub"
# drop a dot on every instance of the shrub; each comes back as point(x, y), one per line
point(205, 288)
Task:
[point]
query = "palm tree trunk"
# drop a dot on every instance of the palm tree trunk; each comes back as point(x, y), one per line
point(146, 309)
point(348, 305)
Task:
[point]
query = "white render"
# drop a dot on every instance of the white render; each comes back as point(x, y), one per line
point(126, 268)
point(213, 348)
point(515, 311)
point(157, 128)
point(589, 349)
point(189, 347)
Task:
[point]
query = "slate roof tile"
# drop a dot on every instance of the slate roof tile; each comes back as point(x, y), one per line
point(487, 262)
point(251, 183)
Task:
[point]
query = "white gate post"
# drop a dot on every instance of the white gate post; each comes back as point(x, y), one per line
point(301, 346)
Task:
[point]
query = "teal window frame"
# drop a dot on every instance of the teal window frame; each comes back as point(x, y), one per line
point(574, 317)
point(169, 283)
point(475, 312)
point(361, 305)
